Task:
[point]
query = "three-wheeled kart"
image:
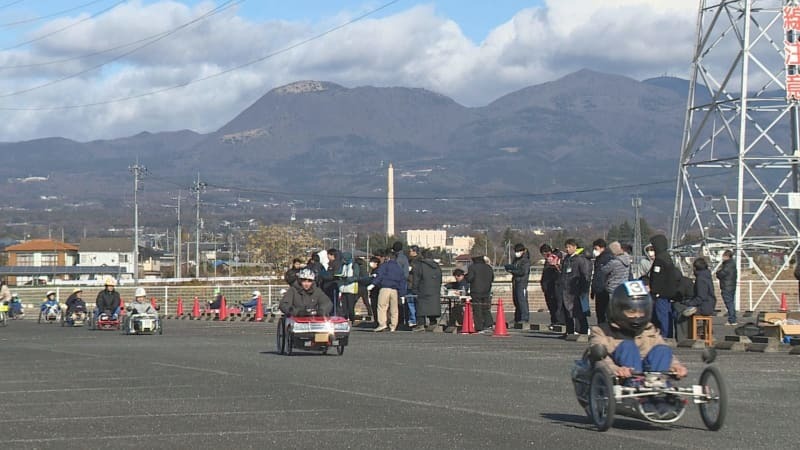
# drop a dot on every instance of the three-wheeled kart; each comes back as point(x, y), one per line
point(316, 333)
point(105, 321)
point(75, 318)
point(143, 323)
point(50, 313)
point(652, 396)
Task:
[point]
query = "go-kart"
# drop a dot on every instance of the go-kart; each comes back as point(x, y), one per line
point(142, 323)
point(650, 396)
point(75, 318)
point(312, 333)
point(105, 321)
point(50, 313)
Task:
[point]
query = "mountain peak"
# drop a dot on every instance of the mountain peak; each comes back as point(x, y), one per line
point(304, 87)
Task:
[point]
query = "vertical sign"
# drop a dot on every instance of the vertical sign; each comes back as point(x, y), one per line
point(791, 51)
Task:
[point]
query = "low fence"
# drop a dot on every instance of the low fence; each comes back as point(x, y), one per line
point(753, 294)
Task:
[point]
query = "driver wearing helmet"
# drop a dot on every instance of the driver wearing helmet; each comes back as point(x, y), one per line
point(140, 305)
point(50, 302)
point(108, 299)
point(633, 343)
point(251, 304)
point(304, 298)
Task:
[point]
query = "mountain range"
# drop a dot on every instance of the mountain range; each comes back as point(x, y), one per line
point(319, 143)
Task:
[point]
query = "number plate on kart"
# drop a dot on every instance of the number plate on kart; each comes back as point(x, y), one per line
point(320, 337)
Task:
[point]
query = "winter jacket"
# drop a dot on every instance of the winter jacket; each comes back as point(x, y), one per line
point(107, 300)
point(348, 275)
point(389, 275)
point(520, 269)
point(402, 260)
point(704, 298)
point(291, 275)
point(550, 273)
point(143, 307)
point(616, 271)
point(663, 280)
point(74, 302)
point(727, 276)
point(480, 278)
point(576, 275)
point(610, 337)
point(427, 284)
point(598, 277)
point(300, 302)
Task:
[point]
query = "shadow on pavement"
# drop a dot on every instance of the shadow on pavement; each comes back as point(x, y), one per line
point(583, 422)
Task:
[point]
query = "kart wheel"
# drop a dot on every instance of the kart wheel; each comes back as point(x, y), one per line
point(340, 349)
point(714, 409)
point(160, 328)
point(3, 319)
point(325, 351)
point(280, 337)
point(601, 400)
point(40, 317)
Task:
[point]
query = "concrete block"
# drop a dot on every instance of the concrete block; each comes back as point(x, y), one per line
point(692, 343)
point(578, 337)
point(763, 344)
point(795, 350)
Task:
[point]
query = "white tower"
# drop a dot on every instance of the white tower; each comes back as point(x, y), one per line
point(738, 174)
point(390, 202)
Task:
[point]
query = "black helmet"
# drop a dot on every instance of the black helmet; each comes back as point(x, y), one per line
point(630, 296)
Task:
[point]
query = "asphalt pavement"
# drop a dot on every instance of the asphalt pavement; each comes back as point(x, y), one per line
point(212, 385)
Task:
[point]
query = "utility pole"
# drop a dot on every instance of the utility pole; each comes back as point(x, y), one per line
point(636, 202)
point(138, 172)
point(197, 188)
point(178, 241)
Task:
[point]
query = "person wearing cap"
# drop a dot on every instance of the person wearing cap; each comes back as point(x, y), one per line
point(305, 298)
point(520, 270)
point(75, 302)
point(140, 305)
point(50, 302)
point(217, 299)
point(108, 300)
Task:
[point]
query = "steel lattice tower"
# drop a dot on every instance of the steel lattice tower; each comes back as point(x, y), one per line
point(738, 173)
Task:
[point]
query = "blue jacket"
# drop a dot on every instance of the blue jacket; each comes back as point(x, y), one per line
point(390, 275)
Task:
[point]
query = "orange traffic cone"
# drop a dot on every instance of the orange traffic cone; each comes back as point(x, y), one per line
point(468, 326)
point(223, 309)
point(783, 302)
point(179, 311)
point(259, 310)
point(500, 328)
point(121, 306)
point(196, 309)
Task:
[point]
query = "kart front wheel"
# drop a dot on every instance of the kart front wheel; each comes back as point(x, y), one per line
point(340, 349)
point(601, 400)
point(289, 343)
point(715, 406)
point(3, 319)
point(280, 337)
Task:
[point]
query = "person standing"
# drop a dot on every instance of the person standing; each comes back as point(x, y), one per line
point(663, 285)
point(480, 277)
point(549, 281)
point(520, 270)
point(616, 271)
point(427, 284)
point(408, 304)
point(727, 277)
point(602, 255)
point(347, 277)
point(575, 279)
point(291, 274)
point(389, 278)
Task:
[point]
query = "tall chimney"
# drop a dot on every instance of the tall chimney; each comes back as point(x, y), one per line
point(390, 202)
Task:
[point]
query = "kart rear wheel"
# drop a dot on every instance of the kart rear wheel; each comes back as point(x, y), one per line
point(289, 343)
point(714, 409)
point(601, 400)
point(3, 319)
point(280, 337)
point(340, 349)
point(40, 317)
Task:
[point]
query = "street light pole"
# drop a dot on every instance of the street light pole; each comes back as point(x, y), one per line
point(197, 188)
point(138, 172)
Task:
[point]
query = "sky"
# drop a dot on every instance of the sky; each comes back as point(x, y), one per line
point(101, 69)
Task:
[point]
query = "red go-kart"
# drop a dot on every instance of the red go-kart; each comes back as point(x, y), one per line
point(105, 321)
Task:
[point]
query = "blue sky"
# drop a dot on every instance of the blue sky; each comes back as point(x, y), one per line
point(86, 78)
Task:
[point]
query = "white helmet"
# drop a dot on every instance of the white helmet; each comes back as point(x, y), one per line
point(49, 293)
point(306, 274)
point(140, 292)
point(256, 294)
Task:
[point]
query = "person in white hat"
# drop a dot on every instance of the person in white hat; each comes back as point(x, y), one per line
point(140, 305)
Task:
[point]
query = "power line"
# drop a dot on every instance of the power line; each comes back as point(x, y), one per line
point(208, 77)
point(507, 195)
point(48, 16)
point(47, 35)
point(11, 4)
point(217, 10)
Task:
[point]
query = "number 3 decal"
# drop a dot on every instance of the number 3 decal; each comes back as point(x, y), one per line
point(635, 288)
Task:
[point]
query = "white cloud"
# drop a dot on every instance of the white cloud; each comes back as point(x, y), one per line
point(416, 47)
